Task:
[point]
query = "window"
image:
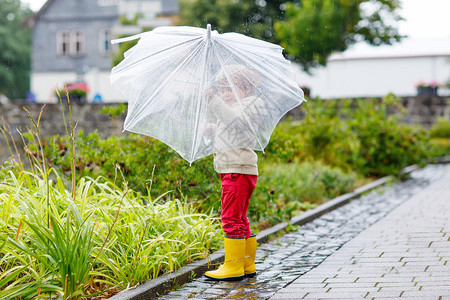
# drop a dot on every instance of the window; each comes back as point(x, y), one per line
point(63, 43)
point(105, 41)
point(70, 43)
point(78, 45)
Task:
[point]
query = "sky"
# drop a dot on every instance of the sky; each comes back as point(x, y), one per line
point(422, 20)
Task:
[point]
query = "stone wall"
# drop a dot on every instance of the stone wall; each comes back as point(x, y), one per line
point(426, 109)
point(421, 110)
point(85, 117)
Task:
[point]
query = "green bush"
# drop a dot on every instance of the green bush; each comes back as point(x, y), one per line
point(439, 147)
point(363, 135)
point(286, 143)
point(65, 246)
point(113, 111)
point(77, 93)
point(440, 129)
point(329, 137)
point(145, 162)
point(285, 190)
point(386, 145)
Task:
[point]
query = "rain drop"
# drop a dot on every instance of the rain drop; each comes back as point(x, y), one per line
point(262, 3)
point(10, 17)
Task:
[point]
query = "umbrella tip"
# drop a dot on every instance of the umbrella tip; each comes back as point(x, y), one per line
point(208, 30)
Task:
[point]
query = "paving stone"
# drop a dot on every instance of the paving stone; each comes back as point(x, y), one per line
point(311, 285)
point(346, 285)
point(346, 295)
point(398, 288)
point(304, 290)
point(287, 297)
point(395, 284)
point(426, 294)
point(434, 283)
point(393, 294)
point(351, 289)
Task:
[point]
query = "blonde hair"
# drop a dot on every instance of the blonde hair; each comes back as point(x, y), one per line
point(239, 75)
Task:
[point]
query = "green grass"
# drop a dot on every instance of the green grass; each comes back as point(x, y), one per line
point(103, 238)
point(286, 190)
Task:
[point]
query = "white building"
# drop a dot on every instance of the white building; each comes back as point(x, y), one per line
point(367, 71)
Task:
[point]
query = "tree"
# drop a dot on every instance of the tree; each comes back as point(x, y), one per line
point(309, 30)
point(250, 17)
point(125, 46)
point(15, 49)
point(317, 28)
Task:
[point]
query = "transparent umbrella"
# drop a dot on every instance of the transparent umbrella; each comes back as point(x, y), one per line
point(201, 92)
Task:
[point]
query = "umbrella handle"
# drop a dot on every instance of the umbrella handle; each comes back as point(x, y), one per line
point(208, 31)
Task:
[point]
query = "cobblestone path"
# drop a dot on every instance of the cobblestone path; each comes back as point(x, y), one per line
point(286, 259)
point(406, 255)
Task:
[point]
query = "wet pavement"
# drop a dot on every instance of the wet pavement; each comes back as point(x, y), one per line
point(284, 260)
point(405, 255)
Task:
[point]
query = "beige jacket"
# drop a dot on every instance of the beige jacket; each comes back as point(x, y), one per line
point(233, 132)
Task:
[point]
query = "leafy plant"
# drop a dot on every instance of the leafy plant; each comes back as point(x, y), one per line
point(144, 161)
point(439, 147)
point(441, 128)
point(74, 91)
point(77, 93)
point(387, 144)
point(365, 135)
point(287, 190)
point(114, 111)
point(105, 238)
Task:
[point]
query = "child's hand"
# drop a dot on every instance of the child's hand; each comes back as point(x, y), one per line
point(209, 129)
point(208, 94)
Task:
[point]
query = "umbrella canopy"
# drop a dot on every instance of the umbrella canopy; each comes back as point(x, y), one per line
point(201, 92)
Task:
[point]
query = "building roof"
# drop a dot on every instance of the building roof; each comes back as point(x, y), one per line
point(29, 22)
point(169, 7)
point(408, 47)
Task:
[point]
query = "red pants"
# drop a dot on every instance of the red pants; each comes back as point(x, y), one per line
point(236, 192)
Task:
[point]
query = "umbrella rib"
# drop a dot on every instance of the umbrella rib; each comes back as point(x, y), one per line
point(255, 65)
point(274, 78)
point(135, 120)
point(240, 104)
point(199, 99)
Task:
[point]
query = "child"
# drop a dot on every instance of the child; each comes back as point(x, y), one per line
point(239, 114)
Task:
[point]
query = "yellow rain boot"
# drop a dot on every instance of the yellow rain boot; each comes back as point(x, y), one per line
point(233, 267)
point(250, 253)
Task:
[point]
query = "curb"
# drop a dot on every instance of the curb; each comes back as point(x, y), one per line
point(442, 160)
point(163, 284)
